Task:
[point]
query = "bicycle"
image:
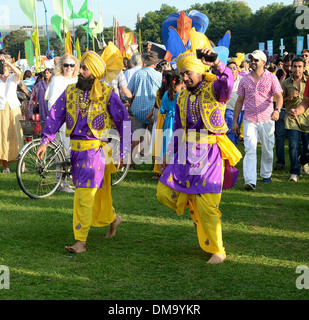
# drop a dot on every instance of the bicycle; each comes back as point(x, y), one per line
point(41, 178)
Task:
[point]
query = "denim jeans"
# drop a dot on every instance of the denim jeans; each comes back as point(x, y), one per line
point(229, 114)
point(280, 135)
point(298, 147)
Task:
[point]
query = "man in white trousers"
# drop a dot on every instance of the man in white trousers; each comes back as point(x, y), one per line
point(258, 89)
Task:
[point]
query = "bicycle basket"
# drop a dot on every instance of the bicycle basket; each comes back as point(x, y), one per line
point(32, 127)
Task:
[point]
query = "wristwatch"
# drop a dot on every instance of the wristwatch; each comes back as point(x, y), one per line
point(279, 110)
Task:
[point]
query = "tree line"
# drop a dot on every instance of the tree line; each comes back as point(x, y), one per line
point(272, 22)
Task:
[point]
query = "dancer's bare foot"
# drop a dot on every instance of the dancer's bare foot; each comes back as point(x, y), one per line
point(113, 227)
point(216, 258)
point(78, 247)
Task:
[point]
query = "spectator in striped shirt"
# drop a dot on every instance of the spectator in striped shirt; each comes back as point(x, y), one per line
point(258, 89)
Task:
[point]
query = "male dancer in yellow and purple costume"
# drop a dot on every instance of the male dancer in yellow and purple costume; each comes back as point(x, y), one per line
point(90, 108)
point(197, 167)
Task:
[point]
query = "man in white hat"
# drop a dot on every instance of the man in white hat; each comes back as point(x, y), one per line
point(258, 89)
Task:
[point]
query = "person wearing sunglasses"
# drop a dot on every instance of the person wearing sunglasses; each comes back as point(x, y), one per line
point(66, 72)
point(258, 89)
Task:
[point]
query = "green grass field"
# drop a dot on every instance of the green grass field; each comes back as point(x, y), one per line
point(155, 254)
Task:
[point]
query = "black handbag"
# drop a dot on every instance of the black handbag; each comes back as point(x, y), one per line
point(21, 95)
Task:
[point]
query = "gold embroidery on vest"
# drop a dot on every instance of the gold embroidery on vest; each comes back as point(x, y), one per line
point(212, 111)
point(99, 119)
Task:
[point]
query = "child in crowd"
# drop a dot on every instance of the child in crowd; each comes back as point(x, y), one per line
point(157, 119)
point(175, 85)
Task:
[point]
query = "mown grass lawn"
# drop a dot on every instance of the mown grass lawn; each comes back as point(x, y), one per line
point(155, 254)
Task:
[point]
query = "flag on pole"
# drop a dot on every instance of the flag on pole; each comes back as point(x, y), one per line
point(281, 47)
point(129, 38)
point(270, 47)
point(56, 22)
point(73, 15)
point(1, 40)
point(29, 52)
point(78, 52)
point(84, 13)
point(58, 6)
point(99, 27)
point(299, 45)
point(28, 7)
point(121, 35)
point(68, 43)
point(261, 46)
point(140, 40)
point(35, 41)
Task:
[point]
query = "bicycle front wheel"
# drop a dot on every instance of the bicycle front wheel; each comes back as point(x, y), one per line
point(40, 178)
point(117, 177)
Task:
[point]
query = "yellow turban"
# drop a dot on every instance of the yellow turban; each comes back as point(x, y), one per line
point(108, 65)
point(188, 59)
point(236, 61)
point(240, 56)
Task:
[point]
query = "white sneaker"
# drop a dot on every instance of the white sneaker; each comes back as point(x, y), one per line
point(294, 177)
point(304, 169)
point(6, 170)
point(65, 188)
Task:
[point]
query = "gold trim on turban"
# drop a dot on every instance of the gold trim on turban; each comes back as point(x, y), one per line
point(108, 65)
point(188, 59)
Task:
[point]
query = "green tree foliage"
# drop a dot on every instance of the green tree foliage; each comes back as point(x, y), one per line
point(57, 46)
point(227, 15)
point(272, 22)
point(14, 42)
point(286, 29)
point(151, 24)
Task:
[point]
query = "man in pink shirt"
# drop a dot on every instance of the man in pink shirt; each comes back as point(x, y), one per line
point(258, 89)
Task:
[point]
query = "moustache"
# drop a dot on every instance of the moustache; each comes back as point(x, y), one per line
point(84, 83)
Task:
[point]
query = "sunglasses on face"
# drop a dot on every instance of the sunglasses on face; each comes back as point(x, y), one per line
point(254, 60)
point(66, 65)
point(305, 55)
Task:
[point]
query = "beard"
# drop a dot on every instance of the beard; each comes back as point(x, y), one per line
point(84, 83)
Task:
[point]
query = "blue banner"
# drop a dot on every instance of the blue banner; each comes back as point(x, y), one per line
point(282, 47)
point(299, 45)
point(270, 48)
point(1, 40)
point(261, 46)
